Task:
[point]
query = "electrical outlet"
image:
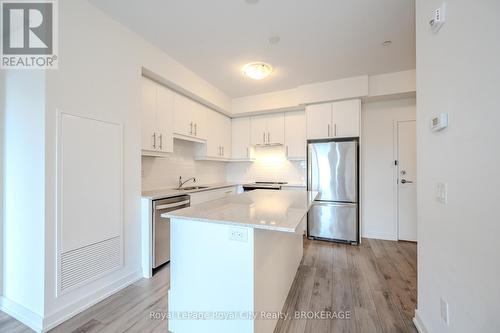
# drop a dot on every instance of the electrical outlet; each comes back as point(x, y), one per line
point(445, 314)
point(238, 234)
point(442, 193)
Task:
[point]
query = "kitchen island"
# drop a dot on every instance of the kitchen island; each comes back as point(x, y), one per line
point(233, 261)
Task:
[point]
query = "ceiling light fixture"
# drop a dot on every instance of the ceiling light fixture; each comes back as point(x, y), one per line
point(257, 70)
point(387, 43)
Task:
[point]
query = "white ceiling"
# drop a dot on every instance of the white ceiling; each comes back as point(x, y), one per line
point(321, 40)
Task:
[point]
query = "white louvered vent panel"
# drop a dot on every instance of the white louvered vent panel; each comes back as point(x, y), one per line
point(84, 264)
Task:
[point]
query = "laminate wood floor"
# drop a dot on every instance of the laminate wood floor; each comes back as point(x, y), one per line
point(376, 283)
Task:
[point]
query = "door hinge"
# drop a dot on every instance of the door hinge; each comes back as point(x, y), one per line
point(396, 162)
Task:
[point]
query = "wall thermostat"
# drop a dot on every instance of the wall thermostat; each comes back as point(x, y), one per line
point(439, 122)
point(437, 19)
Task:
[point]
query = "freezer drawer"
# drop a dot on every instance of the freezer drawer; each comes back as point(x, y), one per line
point(333, 221)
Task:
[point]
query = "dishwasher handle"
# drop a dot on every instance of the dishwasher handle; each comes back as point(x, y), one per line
point(172, 205)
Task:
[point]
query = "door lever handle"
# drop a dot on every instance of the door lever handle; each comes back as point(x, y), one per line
point(404, 181)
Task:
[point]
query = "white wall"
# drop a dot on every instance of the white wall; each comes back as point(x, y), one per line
point(160, 173)
point(270, 165)
point(100, 65)
point(2, 194)
point(375, 86)
point(24, 168)
point(378, 193)
point(458, 72)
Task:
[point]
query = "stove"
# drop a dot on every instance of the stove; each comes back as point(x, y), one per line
point(263, 186)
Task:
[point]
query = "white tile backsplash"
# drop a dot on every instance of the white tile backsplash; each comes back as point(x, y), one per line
point(160, 173)
point(270, 165)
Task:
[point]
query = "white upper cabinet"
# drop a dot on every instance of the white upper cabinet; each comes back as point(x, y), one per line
point(346, 118)
point(319, 121)
point(156, 118)
point(165, 119)
point(333, 120)
point(218, 136)
point(189, 118)
point(295, 135)
point(267, 129)
point(226, 142)
point(240, 134)
point(148, 114)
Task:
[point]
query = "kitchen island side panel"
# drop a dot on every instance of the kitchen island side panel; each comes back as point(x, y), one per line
point(212, 274)
point(277, 259)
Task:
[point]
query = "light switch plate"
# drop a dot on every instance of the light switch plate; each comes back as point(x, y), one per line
point(442, 193)
point(445, 315)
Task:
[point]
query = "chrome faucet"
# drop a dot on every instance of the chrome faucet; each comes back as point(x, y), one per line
point(181, 183)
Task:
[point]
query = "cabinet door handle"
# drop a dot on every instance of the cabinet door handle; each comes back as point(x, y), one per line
point(191, 130)
point(263, 137)
point(328, 129)
point(223, 151)
point(334, 129)
point(248, 155)
point(220, 150)
point(154, 140)
point(268, 137)
point(195, 129)
point(161, 141)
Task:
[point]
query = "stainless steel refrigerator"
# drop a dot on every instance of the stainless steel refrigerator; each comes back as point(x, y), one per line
point(333, 171)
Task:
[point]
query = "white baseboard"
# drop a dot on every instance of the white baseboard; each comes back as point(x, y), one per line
point(417, 320)
point(22, 314)
point(378, 235)
point(75, 308)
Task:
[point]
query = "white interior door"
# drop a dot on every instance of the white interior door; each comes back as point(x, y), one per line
point(407, 180)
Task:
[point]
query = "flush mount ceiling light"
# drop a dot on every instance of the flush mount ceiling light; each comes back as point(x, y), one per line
point(257, 70)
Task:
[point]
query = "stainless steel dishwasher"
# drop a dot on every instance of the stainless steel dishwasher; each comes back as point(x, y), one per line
point(161, 227)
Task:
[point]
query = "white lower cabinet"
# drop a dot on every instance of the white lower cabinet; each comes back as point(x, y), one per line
point(204, 196)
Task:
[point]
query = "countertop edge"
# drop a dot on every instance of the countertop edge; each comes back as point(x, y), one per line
point(236, 224)
point(178, 193)
point(172, 215)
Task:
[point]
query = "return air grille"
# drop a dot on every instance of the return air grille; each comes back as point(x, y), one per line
point(84, 264)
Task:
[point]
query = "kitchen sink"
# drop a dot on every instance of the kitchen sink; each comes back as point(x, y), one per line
point(189, 188)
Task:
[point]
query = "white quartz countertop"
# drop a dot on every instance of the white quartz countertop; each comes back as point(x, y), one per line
point(259, 209)
point(170, 192)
